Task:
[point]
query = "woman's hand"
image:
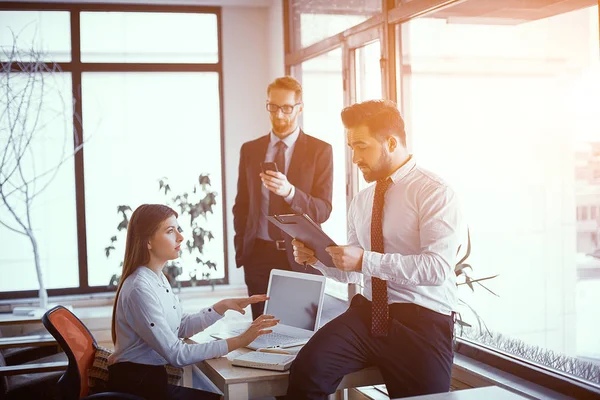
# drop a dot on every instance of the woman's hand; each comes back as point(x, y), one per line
point(260, 326)
point(239, 304)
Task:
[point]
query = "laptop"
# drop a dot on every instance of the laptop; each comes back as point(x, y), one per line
point(296, 299)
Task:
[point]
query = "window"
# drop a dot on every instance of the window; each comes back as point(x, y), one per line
point(137, 37)
point(316, 20)
point(483, 97)
point(41, 195)
point(151, 126)
point(138, 126)
point(321, 119)
point(46, 33)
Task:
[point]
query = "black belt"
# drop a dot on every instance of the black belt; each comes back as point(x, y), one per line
point(275, 244)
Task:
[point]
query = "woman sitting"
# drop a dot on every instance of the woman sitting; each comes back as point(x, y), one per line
point(148, 323)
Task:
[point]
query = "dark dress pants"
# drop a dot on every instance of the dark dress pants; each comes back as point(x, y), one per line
point(265, 258)
point(150, 382)
point(414, 359)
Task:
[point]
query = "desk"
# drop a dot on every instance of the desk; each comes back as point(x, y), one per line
point(239, 383)
point(248, 383)
point(11, 319)
point(487, 393)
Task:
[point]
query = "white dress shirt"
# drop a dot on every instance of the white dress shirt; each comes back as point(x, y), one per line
point(150, 323)
point(422, 231)
point(290, 142)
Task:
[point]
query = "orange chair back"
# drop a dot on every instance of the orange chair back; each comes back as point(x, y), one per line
point(77, 342)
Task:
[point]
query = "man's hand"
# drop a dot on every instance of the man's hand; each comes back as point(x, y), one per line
point(302, 254)
point(277, 183)
point(239, 304)
point(346, 258)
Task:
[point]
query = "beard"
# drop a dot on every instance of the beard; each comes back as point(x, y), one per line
point(281, 125)
point(380, 170)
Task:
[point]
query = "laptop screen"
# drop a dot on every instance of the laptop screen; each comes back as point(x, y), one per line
point(295, 301)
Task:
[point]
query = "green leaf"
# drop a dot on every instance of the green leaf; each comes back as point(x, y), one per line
point(468, 247)
point(211, 265)
point(122, 225)
point(123, 208)
point(204, 180)
point(469, 283)
point(459, 269)
point(107, 250)
point(463, 323)
point(113, 239)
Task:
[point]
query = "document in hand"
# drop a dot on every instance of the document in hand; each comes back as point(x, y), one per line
point(304, 229)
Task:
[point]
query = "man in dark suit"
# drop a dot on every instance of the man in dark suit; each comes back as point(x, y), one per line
point(302, 185)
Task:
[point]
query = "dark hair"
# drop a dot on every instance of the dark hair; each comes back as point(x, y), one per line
point(144, 222)
point(382, 117)
point(286, 83)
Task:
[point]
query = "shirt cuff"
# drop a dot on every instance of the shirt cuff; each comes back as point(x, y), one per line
point(371, 262)
point(290, 196)
point(320, 266)
point(211, 315)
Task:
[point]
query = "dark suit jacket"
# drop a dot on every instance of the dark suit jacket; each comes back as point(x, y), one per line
point(310, 171)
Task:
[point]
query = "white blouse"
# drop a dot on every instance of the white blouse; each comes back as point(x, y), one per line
point(150, 325)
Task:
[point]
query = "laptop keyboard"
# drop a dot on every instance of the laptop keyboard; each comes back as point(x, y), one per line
point(270, 339)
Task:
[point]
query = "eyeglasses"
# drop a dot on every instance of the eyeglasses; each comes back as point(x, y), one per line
point(286, 109)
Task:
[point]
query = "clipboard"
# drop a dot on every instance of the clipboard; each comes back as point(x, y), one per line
point(303, 228)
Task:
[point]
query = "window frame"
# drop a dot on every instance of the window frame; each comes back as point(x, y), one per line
point(393, 15)
point(77, 68)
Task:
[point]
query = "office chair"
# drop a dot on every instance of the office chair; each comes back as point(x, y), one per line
point(80, 347)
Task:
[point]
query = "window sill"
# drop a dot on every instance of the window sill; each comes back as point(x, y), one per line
point(474, 373)
point(103, 299)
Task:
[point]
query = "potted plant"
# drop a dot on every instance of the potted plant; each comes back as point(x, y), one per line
point(193, 205)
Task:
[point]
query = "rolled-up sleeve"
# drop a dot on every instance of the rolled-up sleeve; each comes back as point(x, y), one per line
point(145, 313)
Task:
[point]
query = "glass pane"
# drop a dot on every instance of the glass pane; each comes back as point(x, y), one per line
point(368, 82)
point(321, 118)
point(368, 72)
point(138, 138)
point(36, 128)
point(317, 20)
point(134, 37)
point(508, 114)
point(47, 34)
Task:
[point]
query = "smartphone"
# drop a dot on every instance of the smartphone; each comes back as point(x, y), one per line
point(268, 166)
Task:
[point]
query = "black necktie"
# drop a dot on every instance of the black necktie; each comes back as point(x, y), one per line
point(277, 204)
point(379, 307)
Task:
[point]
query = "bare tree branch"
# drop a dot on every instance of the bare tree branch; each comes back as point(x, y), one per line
point(12, 229)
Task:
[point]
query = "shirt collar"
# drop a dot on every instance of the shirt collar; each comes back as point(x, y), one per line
point(404, 170)
point(149, 273)
point(289, 140)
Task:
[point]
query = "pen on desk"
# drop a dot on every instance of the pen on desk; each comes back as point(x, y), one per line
point(273, 350)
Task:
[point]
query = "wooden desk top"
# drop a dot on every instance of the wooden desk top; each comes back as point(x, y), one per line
point(231, 374)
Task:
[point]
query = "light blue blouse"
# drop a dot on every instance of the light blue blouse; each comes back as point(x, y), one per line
point(150, 325)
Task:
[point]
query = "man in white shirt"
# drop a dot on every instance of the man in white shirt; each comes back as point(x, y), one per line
point(403, 237)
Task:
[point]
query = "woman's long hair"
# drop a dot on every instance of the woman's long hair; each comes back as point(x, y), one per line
point(143, 223)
